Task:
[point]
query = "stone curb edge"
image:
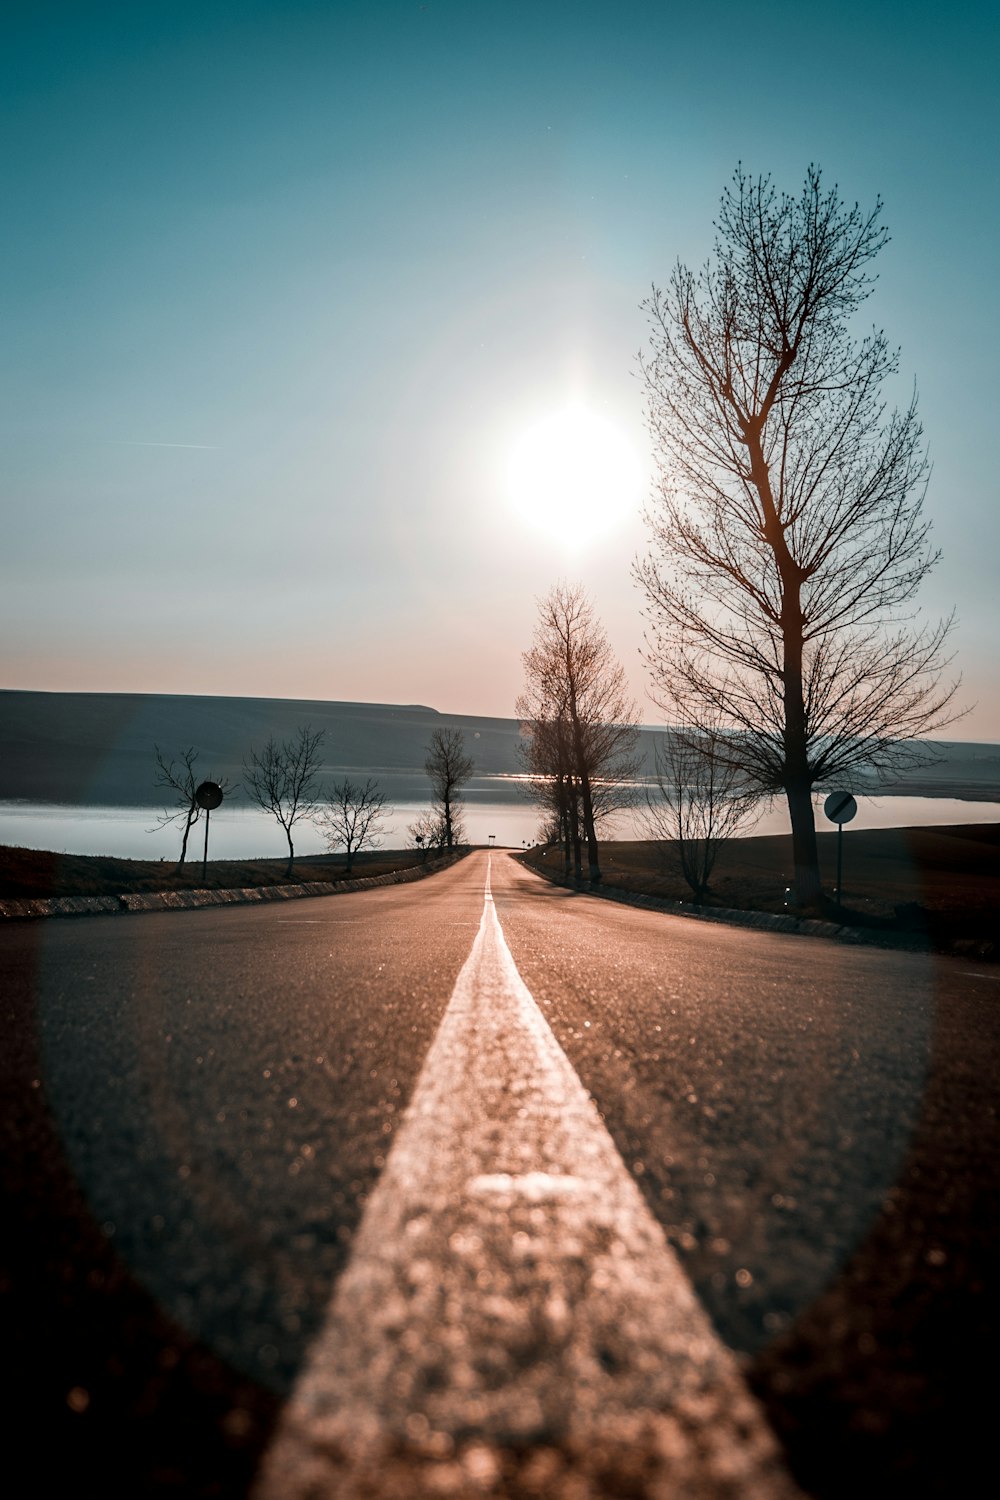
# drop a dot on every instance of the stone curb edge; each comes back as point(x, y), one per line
point(99, 906)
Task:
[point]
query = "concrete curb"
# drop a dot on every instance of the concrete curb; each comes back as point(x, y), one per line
point(100, 906)
point(762, 921)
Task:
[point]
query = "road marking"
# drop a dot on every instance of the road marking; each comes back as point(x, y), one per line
point(510, 1302)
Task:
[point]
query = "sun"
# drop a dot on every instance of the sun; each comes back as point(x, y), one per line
point(574, 474)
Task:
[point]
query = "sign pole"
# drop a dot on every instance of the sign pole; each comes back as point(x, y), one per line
point(208, 795)
point(840, 808)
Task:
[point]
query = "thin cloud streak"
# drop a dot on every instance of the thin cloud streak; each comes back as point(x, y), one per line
point(202, 447)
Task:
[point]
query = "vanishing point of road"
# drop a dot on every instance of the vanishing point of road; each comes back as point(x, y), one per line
point(479, 1186)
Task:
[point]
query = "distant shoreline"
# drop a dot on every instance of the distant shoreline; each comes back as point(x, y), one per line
point(933, 792)
point(97, 749)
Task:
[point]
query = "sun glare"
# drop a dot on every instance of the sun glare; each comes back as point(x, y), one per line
point(574, 474)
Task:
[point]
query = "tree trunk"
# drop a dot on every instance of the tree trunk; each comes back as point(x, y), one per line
point(798, 783)
point(447, 820)
point(590, 832)
point(189, 822)
point(691, 867)
point(583, 772)
point(805, 853)
point(291, 855)
point(798, 780)
point(574, 826)
point(565, 831)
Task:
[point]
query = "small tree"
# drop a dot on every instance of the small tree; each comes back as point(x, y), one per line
point(282, 779)
point(352, 818)
point(449, 768)
point(700, 801)
point(179, 777)
point(578, 719)
point(428, 833)
point(788, 539)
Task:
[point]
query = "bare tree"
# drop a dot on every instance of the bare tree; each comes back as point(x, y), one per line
point(282, 779)
point(449, 768)
point(701, 799)
point(352, 817)
point(179, 777)
point(578, 720)
point(544, 749)
point(788, 539)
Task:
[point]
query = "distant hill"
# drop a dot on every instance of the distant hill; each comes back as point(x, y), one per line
point(97, 748)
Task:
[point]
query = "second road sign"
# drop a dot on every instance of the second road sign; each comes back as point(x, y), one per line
point(840, 807)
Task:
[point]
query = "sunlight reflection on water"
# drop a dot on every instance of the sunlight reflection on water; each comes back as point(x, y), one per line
point(244, 833)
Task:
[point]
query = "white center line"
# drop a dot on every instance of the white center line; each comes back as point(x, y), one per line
point(511, 1301)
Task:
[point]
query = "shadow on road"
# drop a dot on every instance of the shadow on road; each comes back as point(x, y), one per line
point(882, 1387)
point(101, 1389)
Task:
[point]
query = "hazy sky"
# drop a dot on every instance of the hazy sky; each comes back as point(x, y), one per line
point(284, 285)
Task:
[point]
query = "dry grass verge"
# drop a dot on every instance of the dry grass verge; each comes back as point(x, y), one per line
point(27, 874)
point(941, 882)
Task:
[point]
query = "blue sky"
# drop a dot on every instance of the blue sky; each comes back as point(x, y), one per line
point(282, 284)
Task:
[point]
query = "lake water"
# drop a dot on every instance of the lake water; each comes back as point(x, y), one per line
point(240, 832)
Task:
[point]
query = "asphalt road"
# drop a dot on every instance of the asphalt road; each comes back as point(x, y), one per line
point(199, 1106)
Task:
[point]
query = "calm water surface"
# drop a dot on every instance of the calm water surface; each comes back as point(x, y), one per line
point(240, 832)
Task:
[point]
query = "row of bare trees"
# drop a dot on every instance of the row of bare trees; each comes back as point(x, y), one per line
point(283, 779)
point(788, 543)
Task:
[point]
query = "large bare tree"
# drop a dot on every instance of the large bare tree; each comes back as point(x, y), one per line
point(578, 719)
point(449, 768)
point(282, 779)
point(788, 539)
point(352, 817)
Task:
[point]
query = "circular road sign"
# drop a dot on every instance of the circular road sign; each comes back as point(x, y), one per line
point(840, 807)
point(208, 795)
